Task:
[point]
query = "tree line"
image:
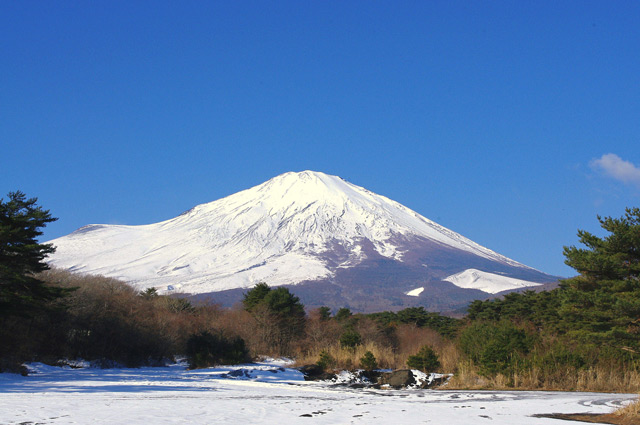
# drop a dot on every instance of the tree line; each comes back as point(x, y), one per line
point(583, 335)
point(589, 325)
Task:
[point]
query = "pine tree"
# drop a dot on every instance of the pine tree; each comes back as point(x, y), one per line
point(255, 295)
point(425, 360)
point(368, 361)
point(21, 256)
point(613, 258)
point(602, 304)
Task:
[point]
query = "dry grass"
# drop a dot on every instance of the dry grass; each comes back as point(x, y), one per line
point(628, 415)
point(594, 379)
point(350, 358)
point(409, 340)
point(449, 356)
point(467, 377)
point(608, 379)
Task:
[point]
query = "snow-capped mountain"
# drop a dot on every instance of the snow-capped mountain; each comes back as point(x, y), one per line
point(297, 228)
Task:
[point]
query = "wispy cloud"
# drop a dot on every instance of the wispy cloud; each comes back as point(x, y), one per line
point(614, 166)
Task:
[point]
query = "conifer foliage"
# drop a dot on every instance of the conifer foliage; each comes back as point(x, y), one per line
point(602, 304)
point(614, 257)
point(592, 318)
point(279, 316)
point(425, 360)
point(21, 256)
point(206, 349)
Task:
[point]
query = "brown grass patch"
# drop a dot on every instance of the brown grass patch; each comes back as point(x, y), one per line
point(597, 418)
point(603, 378)
point(627, 415)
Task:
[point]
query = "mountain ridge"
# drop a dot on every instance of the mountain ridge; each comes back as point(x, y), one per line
point(293, 228)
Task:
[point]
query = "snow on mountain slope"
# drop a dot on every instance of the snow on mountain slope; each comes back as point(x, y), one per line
point(415, 292)
point(487, 282)
point(283, 231)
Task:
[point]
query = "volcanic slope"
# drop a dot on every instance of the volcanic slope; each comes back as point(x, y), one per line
point(340, 243)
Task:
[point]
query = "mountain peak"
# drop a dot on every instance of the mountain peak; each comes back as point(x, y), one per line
point(305, 176)
point(295, 227)
point(303, 185)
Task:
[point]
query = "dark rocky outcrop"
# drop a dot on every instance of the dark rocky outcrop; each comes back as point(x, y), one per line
point(397, 379)
point(12, 366)
point(435, 382)
point(313, 372)
point(370, 375)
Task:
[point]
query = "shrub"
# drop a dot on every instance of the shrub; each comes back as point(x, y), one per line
point(350, 339)
point(425, 360)
point(206, 349)
point(495, 348)
point(368, 361)
point(343, 314)
point(324, 313)
point(560, 357)
point(325, 361)
point(149, 293)
point(177, 305)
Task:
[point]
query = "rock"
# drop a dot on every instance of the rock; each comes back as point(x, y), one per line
point(370, 375)
point(326, 376)
point(313, 372)
point(435, 382)
point(397, 379)
point(13, 367)
point(239, 373)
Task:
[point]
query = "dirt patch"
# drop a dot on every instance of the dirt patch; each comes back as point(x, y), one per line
point(598, 418)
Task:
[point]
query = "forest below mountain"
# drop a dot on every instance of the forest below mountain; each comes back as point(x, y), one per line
point(584, 335)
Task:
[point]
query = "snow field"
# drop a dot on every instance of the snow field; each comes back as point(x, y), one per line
point(264, 393)
point(487, 282)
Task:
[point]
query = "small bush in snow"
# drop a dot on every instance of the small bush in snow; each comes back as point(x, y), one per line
point(206, 350)
point(325, 361)
point(425, 360)
point(368, 361)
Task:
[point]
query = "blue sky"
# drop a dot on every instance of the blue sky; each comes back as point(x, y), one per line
point(514, 123)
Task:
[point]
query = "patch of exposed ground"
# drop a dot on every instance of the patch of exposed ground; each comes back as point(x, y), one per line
point(597, 418)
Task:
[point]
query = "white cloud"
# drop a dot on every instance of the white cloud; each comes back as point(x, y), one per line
point(614, 166)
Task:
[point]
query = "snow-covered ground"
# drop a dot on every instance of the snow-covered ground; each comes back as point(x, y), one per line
point(487, 282)
point(264, 393)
